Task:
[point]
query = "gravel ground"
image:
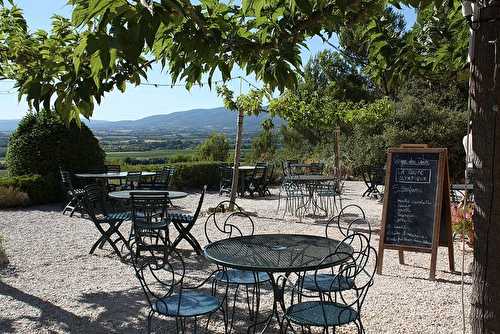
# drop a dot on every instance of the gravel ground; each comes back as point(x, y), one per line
point(54, 286)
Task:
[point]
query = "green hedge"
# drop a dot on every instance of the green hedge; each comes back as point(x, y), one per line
point(188, 175)
point(40, 189)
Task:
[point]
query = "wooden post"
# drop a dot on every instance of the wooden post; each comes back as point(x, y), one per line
point(337, 149)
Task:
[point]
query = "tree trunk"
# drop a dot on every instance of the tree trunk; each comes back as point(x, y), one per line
point(237, 156)
point(485, 98)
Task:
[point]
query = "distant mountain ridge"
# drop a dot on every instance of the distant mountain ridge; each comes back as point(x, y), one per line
point(215, 119)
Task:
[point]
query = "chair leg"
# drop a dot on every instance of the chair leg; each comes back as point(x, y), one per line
point(150, 316)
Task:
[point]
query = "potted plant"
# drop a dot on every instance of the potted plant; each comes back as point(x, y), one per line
point(462, 222)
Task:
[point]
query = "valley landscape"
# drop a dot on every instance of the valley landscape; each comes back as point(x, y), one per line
point(160, 136)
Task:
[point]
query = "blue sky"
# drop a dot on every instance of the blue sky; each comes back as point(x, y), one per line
point(142, 101)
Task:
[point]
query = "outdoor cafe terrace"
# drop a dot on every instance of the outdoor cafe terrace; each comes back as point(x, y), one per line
point(53, 284)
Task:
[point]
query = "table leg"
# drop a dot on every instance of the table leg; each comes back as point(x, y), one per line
point(278, 301)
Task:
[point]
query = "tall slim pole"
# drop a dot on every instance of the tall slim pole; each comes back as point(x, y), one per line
point(237, 156)
point(337, 149)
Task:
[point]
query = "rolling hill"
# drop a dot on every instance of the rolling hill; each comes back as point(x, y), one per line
point(216, 119)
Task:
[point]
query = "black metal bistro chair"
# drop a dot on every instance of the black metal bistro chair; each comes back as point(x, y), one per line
point(163, 281)
point(74, 195)
point(149, 231)
point(224, 224)
point(347, 222)
point(107, 223)
point(113, 184)
point(226, 179)
point(328, 194)
point(330, 281)
point(184, 223)
point(132, 181)
point(295, 196)
point(256, 183)
point(334, 303)
point(269, 179)
point(374, 178)
point(161, 181)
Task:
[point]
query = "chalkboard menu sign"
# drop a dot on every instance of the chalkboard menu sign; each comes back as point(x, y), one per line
point(416, 211)
point(411, 209)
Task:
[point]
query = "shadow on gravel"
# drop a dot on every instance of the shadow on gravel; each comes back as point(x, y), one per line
point(51, 315)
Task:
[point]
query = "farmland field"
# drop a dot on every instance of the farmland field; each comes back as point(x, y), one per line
point(147, 154)
point(158, 154)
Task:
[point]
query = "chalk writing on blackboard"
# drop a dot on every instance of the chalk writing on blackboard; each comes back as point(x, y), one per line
point(409, 175)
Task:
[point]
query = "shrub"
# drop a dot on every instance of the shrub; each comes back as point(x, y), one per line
point(39, 189)
point(214, 148)
point(42, 143)
point(11, 197)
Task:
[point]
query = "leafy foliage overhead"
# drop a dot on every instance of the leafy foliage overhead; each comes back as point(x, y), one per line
point(111, 42)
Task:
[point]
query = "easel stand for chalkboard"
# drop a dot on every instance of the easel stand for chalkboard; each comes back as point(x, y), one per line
point(417, 215)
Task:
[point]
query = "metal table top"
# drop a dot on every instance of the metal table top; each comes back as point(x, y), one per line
point(120, 175)
point(125, 194)
point(311, 178)
point(279, 253)
point(245, 168)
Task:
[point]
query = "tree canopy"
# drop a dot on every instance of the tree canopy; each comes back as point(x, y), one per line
point(110, 43)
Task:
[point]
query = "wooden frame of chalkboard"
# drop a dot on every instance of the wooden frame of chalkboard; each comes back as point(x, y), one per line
point(416, 216)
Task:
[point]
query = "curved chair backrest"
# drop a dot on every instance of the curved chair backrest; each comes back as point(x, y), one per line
point(224, 224)
point(356, 268)
point(160, 276)
point(348, 215)
point(148, 207)
point(354, 272)
point(364, 272)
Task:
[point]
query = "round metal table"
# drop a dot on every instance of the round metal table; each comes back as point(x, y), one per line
point(277, 253)
point(311, 178)
point(121, 175)
point(125, 194)
point(245, 168)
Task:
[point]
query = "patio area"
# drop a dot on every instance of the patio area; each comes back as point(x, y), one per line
point(53, 285)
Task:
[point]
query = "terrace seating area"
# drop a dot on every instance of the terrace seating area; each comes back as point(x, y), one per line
point(150, 260)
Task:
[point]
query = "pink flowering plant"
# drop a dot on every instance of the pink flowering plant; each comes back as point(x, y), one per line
point(462, 221)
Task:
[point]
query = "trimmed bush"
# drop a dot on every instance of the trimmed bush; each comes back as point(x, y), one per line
point(42, 143)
